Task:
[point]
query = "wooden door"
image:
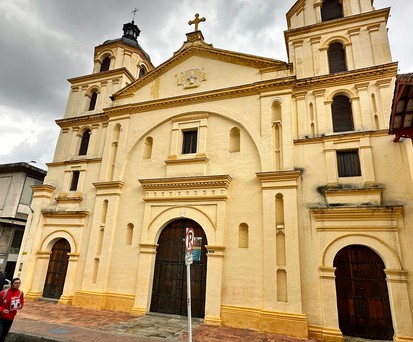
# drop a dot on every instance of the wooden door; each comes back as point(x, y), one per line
point(56, 272)
point(169, 292)
point(362, 297)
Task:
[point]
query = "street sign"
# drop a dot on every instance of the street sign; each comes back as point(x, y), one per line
point(189, 239)
point(188, 258)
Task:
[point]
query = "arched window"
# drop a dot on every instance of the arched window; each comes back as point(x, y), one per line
point(93, 99)
point(105, 64)
point(142, 71)
point(342, 114)
point(243, 235)
point(336, 57)
point(331, 9)
point(84, 143)
point(235, 140)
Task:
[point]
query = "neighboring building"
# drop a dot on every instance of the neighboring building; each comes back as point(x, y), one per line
point(16, 180)
point(301, 202)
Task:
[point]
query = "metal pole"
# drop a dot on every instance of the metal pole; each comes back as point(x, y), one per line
point(188, 287)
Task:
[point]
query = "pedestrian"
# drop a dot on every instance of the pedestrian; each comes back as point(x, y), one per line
point(11, 300)
point(2, 280)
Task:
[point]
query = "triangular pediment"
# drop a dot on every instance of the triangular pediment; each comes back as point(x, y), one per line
point(199, 67)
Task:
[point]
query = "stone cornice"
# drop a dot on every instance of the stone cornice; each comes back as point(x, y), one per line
point(358, 213)
point(217, 94)
point(203, 51)
point(347, 77)
point(205, 188)
point(348, 136)
point(82, 120)
point(108, 188)
point(331, 24)
point(101, 76)
point(279, 179)
point(75, 162)
point(65, 213)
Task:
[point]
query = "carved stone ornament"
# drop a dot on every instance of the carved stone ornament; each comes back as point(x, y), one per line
point(192, 78)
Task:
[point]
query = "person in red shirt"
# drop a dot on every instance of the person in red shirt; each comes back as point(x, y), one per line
point(11, 300)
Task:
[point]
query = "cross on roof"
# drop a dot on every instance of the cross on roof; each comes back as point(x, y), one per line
point(134, 12)
point(196, 21)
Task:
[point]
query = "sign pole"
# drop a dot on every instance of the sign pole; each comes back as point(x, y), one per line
point(188, 287)
point(189, 244)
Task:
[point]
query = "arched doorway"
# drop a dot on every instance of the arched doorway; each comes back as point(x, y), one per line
point(169, 293)
point(362, 296)
point(56, 272)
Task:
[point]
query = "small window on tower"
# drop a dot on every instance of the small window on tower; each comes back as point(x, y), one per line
point(75, 180)
point(93, 99)
point(105, 64)
point(189, 142)
point(348, 163)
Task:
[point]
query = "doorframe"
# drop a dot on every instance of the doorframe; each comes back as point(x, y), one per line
point(215, 255)
point(396, 279)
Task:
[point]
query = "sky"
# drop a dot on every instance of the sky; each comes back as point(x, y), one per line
point(45, 42)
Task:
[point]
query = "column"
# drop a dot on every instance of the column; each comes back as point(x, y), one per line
point(94, 139)
point(328, 116)
point(366, 117)
point(315, 47)
point(301, 114)
point(39, 275)
point(298, 54)
point(400, 305)
point(324, 65)
point(68, 289)
point(366, 157)
point(320, 111)
point(331, 163)
point(331, 330)
point(376, 44)
point(214, 284)
point(146, 265)
point(356, 51)
point(126, 59)
point(384, 101)
point(202, 137)
point(317, 7)
point(356, 109)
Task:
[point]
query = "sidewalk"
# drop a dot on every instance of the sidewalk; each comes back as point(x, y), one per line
point(59, 322)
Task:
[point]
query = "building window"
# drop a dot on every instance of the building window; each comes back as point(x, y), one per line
point(336, 57)
point(93, 99)
point(342, 114)
point(105, 64)
point(331, 9)
point(189, 141)
point(348, 163)
point(75, 180)
point(27, 193)
point(84, 143)
point(142, 71)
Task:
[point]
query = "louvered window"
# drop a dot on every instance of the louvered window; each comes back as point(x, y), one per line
point(348, 163)
point(189, 141)
point(84, 144)
point(93, 99)
point(336, 57)
point(331, 9)
point(342, 114)
point(142, 71)
point(105, 64)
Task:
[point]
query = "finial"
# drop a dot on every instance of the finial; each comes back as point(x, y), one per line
point(134, 12)
point(196, 21)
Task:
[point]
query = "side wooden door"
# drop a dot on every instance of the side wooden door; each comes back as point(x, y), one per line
point(362, 295)
point(169, 292)
point(56, 272)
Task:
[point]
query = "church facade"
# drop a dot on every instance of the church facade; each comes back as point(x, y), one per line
point(300, 201)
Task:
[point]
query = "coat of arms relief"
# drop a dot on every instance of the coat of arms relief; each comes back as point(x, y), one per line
point(192, 78)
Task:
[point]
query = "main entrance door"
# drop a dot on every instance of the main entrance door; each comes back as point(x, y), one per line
point(56, 272)
point(169, 293)
point(362, 297)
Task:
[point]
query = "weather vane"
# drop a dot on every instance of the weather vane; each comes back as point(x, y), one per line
point(134, 12)
point(196, 21)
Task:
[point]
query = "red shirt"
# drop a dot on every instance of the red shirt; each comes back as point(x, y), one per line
point(14, 300)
